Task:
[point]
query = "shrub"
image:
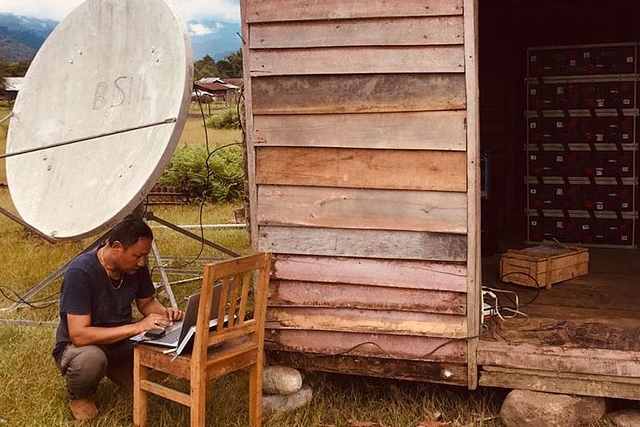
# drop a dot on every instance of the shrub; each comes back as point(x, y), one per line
point(227, 119)
point(227, 173)
point(187, 172)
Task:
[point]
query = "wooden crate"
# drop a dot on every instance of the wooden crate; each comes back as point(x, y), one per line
point(544, 264)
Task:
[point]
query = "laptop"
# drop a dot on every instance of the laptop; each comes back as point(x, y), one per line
point(179, 336)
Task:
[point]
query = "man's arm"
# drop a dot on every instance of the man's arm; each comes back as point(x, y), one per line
point(82, 333)
point(155, 315)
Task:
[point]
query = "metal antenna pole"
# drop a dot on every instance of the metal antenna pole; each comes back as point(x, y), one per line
point(163, 274)
point(148, 216)
point(87, 138)
point(53, 276)
point(25, 225)
point(151, 217)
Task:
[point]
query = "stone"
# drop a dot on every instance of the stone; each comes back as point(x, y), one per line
point(281, 380)
point(524, 408)
point(284, 403)
point(625, 418)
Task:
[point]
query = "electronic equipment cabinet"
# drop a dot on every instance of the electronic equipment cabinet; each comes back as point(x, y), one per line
point(581, 145)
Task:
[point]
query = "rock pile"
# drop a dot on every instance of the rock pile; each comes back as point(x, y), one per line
point(282, 389)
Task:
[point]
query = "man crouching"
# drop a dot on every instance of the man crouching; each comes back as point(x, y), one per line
point(96, 319)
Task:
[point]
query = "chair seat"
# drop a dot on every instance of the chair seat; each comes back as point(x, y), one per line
point(226, 357)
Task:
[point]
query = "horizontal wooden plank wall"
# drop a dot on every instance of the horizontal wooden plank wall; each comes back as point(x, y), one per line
point(367, 345)
point(355, 208)
point(362, 168)
point(305, 294)
point(363, 243)
point(304, 10)
point(356, 125)
point(412, 31)
point(359, 93)
point(420, 130)
point(587, 372)
point(372, 310)
point(389, 273)
point(356, 60)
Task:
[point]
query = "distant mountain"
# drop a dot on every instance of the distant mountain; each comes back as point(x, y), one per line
point(14, 51)
point(21, 37)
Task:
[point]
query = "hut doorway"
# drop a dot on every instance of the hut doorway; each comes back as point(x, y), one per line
point(581, 335)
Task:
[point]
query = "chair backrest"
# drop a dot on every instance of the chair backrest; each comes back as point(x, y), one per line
point(243, 300)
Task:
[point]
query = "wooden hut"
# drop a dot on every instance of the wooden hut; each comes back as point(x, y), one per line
point(364, 123)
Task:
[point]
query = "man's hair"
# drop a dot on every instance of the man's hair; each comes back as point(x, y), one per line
point(129, 230)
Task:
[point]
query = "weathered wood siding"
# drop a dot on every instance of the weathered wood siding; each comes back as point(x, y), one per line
point(359, 184)
point(560, 369)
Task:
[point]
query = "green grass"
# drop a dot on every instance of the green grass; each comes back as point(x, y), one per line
point(5, 109)
point(193, 132)
point(33, 395)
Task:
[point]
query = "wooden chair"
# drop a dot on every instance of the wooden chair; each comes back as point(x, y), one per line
point(234, 345)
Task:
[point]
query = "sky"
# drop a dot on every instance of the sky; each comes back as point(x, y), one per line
point(223, 10)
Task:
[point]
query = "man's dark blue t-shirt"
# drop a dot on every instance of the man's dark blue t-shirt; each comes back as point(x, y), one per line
point(87, 289)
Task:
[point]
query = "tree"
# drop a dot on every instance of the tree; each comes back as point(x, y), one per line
point(230, 66)
point(12, 69)
point(235, 61)
point(3, 71)
point(18, 69)
point(205, 67)
point(225, 69)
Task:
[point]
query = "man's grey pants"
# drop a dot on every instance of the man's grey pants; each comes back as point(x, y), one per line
point(84, 366)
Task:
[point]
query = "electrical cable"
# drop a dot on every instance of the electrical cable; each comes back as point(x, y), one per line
point(385, 353)
point(34, 303)
point(204, 191)
point(217, 175)
point(498, 308)
point(537, 287)
point(208, 174)
point(202, 199)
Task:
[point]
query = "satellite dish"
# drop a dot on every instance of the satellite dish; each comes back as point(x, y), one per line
point(101, 111)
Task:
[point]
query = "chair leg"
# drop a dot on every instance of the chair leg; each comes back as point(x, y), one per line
point(139, 395)
point(198, 402)
point(255, 395)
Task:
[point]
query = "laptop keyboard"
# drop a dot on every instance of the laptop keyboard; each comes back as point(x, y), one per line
point(171, 336)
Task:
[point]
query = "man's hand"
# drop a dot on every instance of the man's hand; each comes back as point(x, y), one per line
point(156, 315)
point(156, 320)
point(149, 306)
point(173, 314)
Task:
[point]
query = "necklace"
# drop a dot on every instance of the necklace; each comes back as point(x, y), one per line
point(104, 267)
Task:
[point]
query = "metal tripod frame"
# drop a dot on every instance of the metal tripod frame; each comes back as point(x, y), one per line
point(147, 216)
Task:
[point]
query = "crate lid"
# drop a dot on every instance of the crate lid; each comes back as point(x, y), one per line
point(546, 251)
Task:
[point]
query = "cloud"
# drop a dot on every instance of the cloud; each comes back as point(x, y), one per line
point(42, 9)
point(198, 29)
point(223, 10)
